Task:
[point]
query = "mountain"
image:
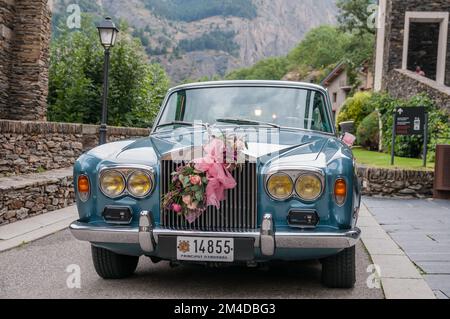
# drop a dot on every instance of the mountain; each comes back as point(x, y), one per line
point(198, 38)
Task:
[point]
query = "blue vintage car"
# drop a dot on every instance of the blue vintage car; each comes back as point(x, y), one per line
point(296, 197)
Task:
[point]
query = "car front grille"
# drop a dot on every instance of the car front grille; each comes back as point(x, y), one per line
point(237, 213)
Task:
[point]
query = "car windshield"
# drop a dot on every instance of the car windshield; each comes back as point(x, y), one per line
point(275, 106)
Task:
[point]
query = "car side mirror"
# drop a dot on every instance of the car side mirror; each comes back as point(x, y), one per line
point(348, 139)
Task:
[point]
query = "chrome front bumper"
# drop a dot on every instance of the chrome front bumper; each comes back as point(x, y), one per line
point(267, 239)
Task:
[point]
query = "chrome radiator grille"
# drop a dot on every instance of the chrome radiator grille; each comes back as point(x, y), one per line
point(237, 212)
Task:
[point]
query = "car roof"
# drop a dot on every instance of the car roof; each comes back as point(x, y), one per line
point(260, 83)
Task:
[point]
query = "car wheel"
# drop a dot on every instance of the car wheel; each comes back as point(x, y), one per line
point(109, 265)
point(338, 271)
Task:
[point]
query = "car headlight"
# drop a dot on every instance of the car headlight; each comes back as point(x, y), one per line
point(280, 186)
point(112, 183)
point(308, 187)
point(140, 184)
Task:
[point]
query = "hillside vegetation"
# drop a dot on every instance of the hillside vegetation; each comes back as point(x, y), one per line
point(197, 38)
point(321, 50)
point(194, 10)
point(214, 40)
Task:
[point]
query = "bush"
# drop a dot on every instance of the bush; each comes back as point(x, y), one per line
point(273, 68)
point(368, 132)
point(76, 79)
point(356, 108)
point(410, 146)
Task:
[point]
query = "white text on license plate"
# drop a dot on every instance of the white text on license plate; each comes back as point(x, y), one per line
point(205, 249)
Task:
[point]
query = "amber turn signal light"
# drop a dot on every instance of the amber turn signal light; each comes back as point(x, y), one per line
point(340, 191)
point(83, 187)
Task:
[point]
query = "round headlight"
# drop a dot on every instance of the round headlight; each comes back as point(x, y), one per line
point(139, 184)
point(280, 186)
point(308, 187)
point(112, 183)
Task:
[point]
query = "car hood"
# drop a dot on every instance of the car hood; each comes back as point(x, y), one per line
point(275, 146)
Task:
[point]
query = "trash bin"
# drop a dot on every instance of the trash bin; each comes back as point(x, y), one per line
point(442, 172)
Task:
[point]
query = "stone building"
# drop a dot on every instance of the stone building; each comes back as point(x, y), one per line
point(411, 34)
point(24, 58)
point(338, 84)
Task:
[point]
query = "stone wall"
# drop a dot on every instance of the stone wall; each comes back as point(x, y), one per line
point(30, 195)
point(383, 182)
point(24, 58)
point(404, 84)
point(7, 13)
point(29, 147)
point(395, 24)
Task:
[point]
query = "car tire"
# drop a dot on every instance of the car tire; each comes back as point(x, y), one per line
point(110, 265)
point(339, 271)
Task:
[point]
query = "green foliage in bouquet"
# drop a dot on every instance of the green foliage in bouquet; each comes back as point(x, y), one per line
point(186, 191)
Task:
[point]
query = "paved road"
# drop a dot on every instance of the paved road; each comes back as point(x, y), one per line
point(38, 270)
point(422, 229)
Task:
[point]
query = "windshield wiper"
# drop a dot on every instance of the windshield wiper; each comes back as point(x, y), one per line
point(246, 122)
point(181, 123)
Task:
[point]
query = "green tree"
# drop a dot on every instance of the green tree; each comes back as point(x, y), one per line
point(321, 47)
point(267, 69)
point(356, 108)
point(76, 79)
point(321, 50)
point(357, 16)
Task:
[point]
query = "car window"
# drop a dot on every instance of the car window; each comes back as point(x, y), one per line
point(286, 107)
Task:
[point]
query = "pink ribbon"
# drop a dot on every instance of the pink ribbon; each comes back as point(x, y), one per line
point(192, 216)
point(219, 178)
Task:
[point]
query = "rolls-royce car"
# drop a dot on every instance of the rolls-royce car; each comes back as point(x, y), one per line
point(232, 173)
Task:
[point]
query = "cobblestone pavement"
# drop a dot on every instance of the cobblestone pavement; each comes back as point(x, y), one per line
point(38, 270)
point(422, 229)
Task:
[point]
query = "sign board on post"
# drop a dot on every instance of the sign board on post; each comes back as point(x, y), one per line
point(410, 121)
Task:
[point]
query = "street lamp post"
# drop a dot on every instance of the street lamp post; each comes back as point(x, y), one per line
point(108, 35)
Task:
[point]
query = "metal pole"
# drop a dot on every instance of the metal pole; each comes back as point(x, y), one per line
point(393, 138)
point(103, 127)
point(425, 141)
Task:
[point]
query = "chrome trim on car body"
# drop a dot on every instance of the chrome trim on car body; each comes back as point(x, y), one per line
point(334, 240)
point(225, 234)
point(267, 238)
point(103, 234)
point(146, 240)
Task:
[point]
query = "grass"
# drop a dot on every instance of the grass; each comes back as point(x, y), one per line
point(383, 160)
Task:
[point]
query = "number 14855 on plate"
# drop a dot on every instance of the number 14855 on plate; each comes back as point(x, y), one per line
point(205, 249)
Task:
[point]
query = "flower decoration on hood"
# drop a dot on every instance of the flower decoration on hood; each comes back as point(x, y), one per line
point(204, 181)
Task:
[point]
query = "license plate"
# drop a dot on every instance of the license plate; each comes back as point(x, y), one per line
point(205, 249)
